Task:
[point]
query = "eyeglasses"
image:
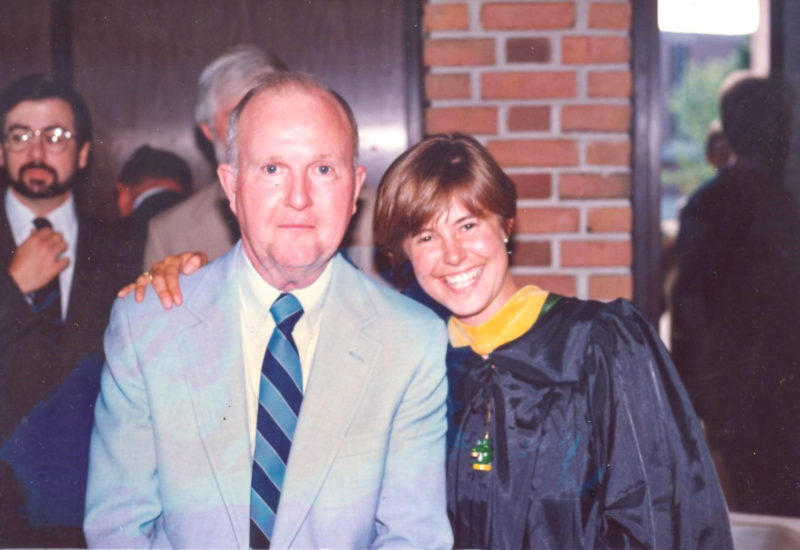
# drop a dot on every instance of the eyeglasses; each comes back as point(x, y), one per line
point(54, 138)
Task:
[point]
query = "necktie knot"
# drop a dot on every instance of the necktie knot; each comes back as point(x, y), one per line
point(41, 223)
point(286, 311)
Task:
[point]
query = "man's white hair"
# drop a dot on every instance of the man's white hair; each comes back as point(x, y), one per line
point(229, 77)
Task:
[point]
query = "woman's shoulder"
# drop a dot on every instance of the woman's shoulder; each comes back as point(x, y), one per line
point(589, 332)
point(571, 313)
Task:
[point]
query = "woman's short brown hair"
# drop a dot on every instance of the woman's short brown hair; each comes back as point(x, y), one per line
point(423, 181)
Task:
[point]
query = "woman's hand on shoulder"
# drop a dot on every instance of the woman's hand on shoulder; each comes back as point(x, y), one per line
point(164, 276)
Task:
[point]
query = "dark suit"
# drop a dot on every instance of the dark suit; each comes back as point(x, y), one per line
point(734, 341)
point(34, 363)
point(137, 223)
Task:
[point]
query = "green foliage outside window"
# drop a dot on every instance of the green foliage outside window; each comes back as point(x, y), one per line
point(693, 104)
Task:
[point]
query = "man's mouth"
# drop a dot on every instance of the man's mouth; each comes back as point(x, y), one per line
point(37, 175)
point(460, 281)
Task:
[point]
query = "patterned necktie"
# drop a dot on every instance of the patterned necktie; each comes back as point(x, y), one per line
point(279, 398)
point(47, 300)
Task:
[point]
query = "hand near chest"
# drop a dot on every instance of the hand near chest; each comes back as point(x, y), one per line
point(37, 260)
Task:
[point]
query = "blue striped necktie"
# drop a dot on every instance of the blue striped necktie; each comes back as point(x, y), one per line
point(280, 395)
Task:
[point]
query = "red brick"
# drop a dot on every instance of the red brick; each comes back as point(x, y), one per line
point(539, 152)
point(609, 220)
point(610, 84)
point(535, 16)
point(447, 86)
point(594, 186)
point(527, 50)
point(595, 253)
point(560, 284)
point(478, 51)
point(596, 118)
point(610, 15)
point(470, 120)
point(610, 287)
point(533, 186)
point(528, 85)
point(446, 17)
point(547, 220)
point(595, 49)
point(531, 253)
point(607, 153)
point(521, 119)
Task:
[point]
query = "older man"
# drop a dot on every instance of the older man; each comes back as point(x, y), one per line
point(204, 222)
point(330, 432)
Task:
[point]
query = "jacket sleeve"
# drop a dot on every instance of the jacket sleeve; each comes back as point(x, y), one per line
point(412, 508)
point(660, 488)
point(15, 312)
point(123, 507)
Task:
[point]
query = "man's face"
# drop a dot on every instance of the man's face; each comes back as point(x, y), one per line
point(217, 132)
point(296, 185)
point(38, 171)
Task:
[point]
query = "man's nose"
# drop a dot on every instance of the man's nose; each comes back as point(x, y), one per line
point(298, 195)
point(36, 148)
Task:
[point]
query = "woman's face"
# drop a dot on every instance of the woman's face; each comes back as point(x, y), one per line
point(460, 260)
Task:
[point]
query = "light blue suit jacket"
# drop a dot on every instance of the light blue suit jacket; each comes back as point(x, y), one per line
point(170, 453)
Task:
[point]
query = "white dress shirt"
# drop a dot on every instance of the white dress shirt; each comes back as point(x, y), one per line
point(256, 296)
point(64, 220)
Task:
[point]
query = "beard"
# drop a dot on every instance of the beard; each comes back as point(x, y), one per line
point(37, 189)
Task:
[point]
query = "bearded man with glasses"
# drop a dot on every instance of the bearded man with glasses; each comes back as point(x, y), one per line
point(60, 271)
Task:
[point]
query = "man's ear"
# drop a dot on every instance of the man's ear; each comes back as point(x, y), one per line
point(360, 176)
point(124, 200)
point(83, 155)
point(227, 178)
point(206, 132)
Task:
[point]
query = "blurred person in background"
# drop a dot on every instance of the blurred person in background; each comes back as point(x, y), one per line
point(151, 181)
point(736, 299)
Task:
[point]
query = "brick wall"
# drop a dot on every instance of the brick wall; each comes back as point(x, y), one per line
point(546, 86)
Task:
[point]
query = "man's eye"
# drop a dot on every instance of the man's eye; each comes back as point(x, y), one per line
point(324, 170)
point(271, 169)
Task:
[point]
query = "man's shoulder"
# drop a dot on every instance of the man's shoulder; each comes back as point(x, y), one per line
point(190, 208)
point(202, 290)
point(388, 302)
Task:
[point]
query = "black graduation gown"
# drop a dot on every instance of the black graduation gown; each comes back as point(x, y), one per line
point(595, 442)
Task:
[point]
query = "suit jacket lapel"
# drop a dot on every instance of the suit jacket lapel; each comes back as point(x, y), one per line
point(343, 364)
point(213, 369)
point(7, 245)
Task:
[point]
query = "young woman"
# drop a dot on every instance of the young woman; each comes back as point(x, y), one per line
point(569, 427)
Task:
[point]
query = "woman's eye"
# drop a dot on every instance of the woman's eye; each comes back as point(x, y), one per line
point(469, 225)
point(425, 239)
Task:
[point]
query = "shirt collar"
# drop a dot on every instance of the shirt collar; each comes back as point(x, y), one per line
point(147, 194)
point(258, 295)
point(64, 218)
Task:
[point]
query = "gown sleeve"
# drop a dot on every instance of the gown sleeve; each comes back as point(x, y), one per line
point(660, 488)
